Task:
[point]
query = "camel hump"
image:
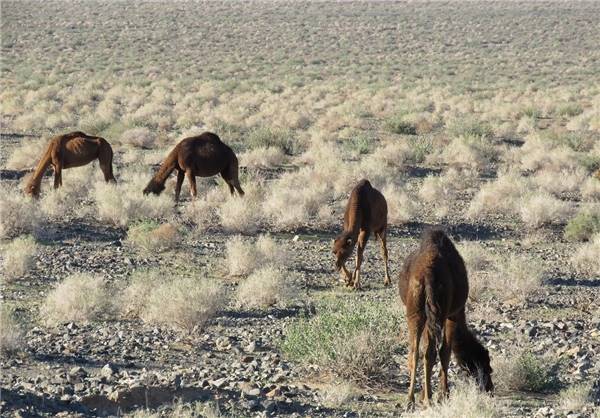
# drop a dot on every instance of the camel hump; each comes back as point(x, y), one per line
point(437, 237)
point(364, 183)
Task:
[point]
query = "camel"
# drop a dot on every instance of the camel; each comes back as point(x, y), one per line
point(73, 149)
point(205, 156)
point(366, 212)
point(434, 289)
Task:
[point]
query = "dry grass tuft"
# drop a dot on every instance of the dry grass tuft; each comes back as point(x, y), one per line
point(265, 287)
point(242, 215)
point(586, 258)
point(524, 371)
point(138, 138)
point(336, 395)
point(575, 398)
point(18, 213)
point(19, 257)
point(501, 196)
point(151, 237)
point(11, 335)
point(542, 209)
point(465, 401)
point(183, 302)
point(263, 157)
point(244, 256)
point(80, 297)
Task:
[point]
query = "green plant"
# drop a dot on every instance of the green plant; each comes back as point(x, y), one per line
point(353, 339)
point(527, 372)
point(398, 125)
point(582, 226)
point(469, 128)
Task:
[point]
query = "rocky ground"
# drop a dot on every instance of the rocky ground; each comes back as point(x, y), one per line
point(235, 363)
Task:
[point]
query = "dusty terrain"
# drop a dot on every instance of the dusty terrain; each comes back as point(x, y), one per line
point(373, 95)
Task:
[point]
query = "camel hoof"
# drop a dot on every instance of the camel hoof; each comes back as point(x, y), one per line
point(410, 406)
point(387, 282)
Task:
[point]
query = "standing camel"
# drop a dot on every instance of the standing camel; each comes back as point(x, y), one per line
point(74, 149)
point(205, 156)
point(366, 212)
point(434, 289)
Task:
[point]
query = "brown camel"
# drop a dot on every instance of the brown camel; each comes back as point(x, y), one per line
point(366, 212)
point(434, 288)
point(74, 149)
point(205, 156)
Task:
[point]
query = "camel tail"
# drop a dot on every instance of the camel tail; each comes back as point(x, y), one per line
point(157, 184)
point(33, 185)
point(433, 314)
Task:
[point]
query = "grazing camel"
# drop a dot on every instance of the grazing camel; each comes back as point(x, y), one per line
point(434, 288)
point(70, 150)
point(366, 212)
point(205, 156)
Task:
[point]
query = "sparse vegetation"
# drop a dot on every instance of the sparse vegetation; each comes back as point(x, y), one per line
point(19, 257)
point(524, 371)
point(78, 298)
point(263, 288)
point(183, 302)
point(352, 339)
point(583, 226)
point(11, 334)
point(151, 237)
point(18, 213)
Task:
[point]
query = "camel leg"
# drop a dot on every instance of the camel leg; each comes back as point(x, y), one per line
point(415, 328)
point(345, 274)
point(445, 351)
point(105, 159)
point(180, 177)
point(231, 178)
point(382, 237)
point(363, 236)
point(428, 361)
point(192, 179)
point(57, 176)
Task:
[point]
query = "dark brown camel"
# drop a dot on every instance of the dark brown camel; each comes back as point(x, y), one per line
point(366, 212)
point(434, 289)
point(205, 156)
point(70, 150)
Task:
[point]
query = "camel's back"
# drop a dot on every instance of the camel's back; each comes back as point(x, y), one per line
point(437, 260)
point(366, 206)
point(205, 154)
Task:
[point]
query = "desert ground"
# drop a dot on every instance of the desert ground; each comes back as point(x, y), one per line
point(482, 117)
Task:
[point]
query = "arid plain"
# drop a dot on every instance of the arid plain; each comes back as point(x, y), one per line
point(482, 117)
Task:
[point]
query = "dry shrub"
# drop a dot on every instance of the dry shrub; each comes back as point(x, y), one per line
point(263, 288)
point(590, 189)
point(576, 398)
point(242, 214)
point(19, 257)
point(543, 209)
point(201, 213)
point(133, 298)
point(263, 157)
point(465, 401)
point(521, 370)
point(19, 214)
point(556, 182)
point(477, 261)
point(586, 258)
point(515, 278)
point(336, 395)
point(244, 256)
point(183, 302)
point(151, 237)
point(468, 152)
point(81, 297)
point(27, 155)
point(537, 154)
point(138, 138)
point(11, 335)
point(401, 205)
point(441, 191)
point(124, 203)
point(499, 197)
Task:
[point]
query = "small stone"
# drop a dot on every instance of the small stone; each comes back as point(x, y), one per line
point(108, 370)
point(275, 393)
point(79, 387)
point(218, 383)
point(247, 359)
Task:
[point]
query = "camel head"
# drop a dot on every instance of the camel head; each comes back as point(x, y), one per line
point(342, 248)
point(154, 187)
point(32, 189)
point(479, 367)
